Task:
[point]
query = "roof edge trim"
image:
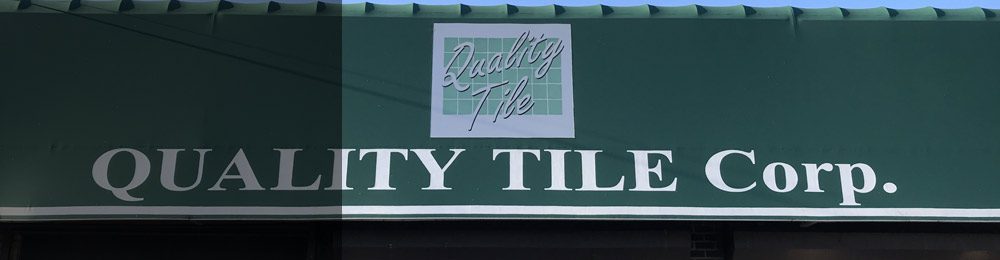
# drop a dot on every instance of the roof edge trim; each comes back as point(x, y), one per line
point(367, 9)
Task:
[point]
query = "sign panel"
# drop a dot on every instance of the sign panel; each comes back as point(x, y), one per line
point(502, 80)
point(541, 118)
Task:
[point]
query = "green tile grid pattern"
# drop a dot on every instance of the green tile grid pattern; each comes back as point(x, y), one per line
point(546, 92)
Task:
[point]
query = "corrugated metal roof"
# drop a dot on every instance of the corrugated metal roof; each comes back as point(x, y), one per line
point(498, 11)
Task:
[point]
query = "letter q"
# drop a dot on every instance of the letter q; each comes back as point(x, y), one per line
point(100, 173)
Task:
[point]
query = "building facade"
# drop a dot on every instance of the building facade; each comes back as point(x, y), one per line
point(218, 130)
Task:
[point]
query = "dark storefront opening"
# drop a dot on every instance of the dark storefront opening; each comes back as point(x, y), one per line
point(499, 240)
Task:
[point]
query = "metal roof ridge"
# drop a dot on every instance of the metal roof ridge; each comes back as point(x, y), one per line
point(367, 9)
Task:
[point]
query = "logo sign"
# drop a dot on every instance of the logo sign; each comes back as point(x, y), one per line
point(502, 81)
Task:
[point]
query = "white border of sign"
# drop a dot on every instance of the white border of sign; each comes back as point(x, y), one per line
point(610, 212)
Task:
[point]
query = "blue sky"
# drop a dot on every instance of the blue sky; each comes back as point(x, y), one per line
point(899, 4)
